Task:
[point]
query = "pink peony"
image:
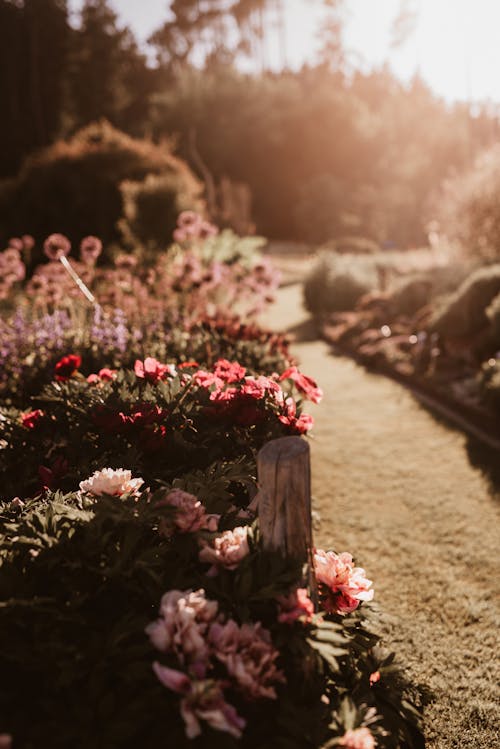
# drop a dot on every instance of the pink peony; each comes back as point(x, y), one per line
point(345, 586)
point(359, 738)
point(182, 625)
point(90, 249)
point(113, 482)
point(297, 605)
point(249, 657)
point(304, 384)
point(190, 514)
point(56, 246)
point(152, 370)
point(227, 551)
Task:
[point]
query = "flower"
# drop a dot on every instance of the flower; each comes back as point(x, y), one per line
point(228, 549)
point(346, 586)
point(182, 625)
point(190, 515)
point(5, 741)
point(56, 246)
point(359, 738)
point(297, 425)
point(90, 249)
point(104, 375)
point(249, 657)
point(304, 384)
point(374, 678)
point(229, 371)
point(113, 482)
point(295, 606)
point(203, 700)
point(152, 370)
point(67, 366)
point(32, 418)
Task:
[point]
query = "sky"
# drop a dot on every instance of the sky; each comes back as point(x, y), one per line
point(455, 44)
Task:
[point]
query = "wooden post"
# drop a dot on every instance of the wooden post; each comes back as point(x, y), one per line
point(284, 501)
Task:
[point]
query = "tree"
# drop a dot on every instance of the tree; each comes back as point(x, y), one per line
point(34, 41)
point(109, 76)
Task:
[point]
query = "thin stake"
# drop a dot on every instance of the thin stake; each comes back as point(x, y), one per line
point(76, 278)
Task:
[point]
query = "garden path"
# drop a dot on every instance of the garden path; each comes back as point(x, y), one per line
point(395, 487)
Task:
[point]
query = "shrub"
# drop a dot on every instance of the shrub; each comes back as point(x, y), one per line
point(74, 185)
point(337, 282)
point(151, 207)
point(417, 290)
point(471, 208)
point(464, 313)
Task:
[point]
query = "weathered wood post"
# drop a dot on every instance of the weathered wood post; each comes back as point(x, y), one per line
point(284, 501)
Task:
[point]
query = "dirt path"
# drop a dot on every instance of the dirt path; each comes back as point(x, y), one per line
point(395, 488)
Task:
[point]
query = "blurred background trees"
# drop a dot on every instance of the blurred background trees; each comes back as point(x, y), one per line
point(320, 153)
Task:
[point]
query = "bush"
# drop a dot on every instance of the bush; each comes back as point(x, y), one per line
point(417, 290)
point(471, 207)
point(464, 313)
point(337, 282)
point(74, 186)
point(150, 209)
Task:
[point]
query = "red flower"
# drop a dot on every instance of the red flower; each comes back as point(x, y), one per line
point(31, 419)
point(304, 384)
point(152, 370)
point(67, 366)
point(186, 364)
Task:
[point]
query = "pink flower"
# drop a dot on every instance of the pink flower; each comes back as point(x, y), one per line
point(345, 586)
point(374, 678)
point(105, 375)
point(249, 657)
point(295, 606)
point(31, 420)
point(182, 625)
point(229, 371)
point(152, 370)
point(113, 482)
point(297, 425)
point(304, 384)
point(90, 249)
point(56, 246)
point(28, 242)
point(5, 741)
point(228, 550)
point(359, 738)
point(190, 514)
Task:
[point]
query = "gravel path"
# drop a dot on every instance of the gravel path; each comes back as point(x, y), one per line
point(395, 487)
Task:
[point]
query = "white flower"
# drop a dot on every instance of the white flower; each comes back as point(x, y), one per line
point(115, 482)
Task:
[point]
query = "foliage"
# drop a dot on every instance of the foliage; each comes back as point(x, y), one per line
point(464, 312)
point(162, 426)
point(337, 282)
point(81, 577)
point(470, 211)
point(83, 176)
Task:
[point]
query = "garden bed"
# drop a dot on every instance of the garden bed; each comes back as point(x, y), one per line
point(136, 597)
